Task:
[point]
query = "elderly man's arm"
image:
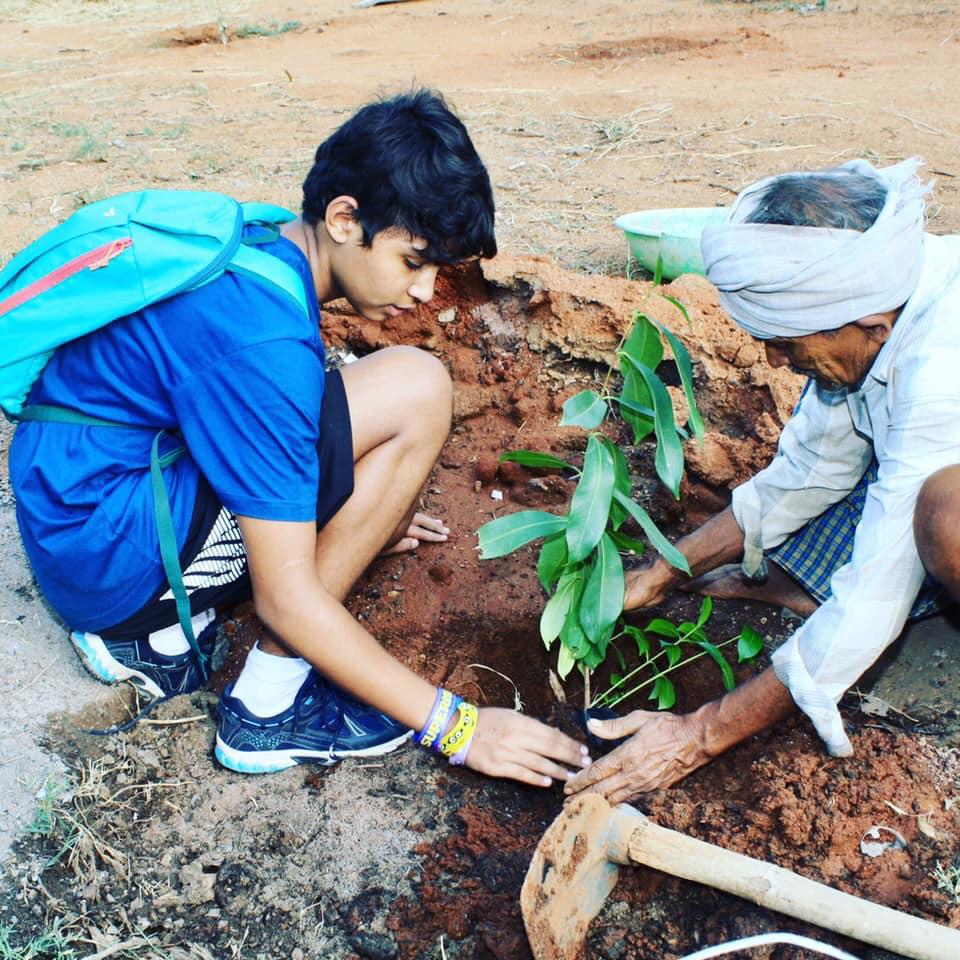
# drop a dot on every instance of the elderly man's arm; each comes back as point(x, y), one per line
point(872, 595)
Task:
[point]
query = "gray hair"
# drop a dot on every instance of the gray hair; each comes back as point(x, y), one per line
point(833, 198)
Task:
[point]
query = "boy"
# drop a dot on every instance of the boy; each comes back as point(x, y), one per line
point(294, 479)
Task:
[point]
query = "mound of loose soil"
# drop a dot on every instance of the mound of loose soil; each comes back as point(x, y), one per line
point(405, 858)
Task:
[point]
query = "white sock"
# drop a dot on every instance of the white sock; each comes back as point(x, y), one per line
point(172, 641)
point(267, 685)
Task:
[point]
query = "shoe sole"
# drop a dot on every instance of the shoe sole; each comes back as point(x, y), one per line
point(99, 663)
point(273, 761)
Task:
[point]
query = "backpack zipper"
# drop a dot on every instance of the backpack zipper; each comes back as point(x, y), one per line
point(91, 260)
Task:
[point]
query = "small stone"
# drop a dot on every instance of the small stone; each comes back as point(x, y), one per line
point(374, 946)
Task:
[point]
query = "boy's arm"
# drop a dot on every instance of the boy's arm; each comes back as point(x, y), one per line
point(292, 602)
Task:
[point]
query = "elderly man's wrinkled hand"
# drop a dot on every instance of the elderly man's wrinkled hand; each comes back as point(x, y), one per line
point(663, 748)
point(646, 587)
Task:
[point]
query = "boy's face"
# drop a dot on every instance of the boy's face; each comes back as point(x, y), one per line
point(386, 278)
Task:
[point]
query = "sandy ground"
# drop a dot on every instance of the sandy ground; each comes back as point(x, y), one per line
point(582, 111)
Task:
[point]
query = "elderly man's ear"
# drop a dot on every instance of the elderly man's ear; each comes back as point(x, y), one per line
point(878, 326)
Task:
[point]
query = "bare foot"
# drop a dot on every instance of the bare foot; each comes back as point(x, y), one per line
point(421, 527)
point(729, 583)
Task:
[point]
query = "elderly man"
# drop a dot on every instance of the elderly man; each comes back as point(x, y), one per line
point(855, 524)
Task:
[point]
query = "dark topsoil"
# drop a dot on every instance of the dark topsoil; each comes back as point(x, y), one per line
point(155, 846)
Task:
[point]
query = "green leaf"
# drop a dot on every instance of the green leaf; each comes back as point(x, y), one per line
point(573, 638)
point(643, 344)
point(657, 540)
point(555, 611)
point(602, 600)
point(533, 458)
point(586, 409)
point(685, 369)
point(565, 662)
point(627, 544)
point(673, 652)
point(669, 456)
point(680, 307)
point(506, 534)
point(636, 405)
point(591, 659)
point(603, 642)
point(664, 693)
point(658, 271)
point(621, 481)
point(620, 658)
point(692, 633)
point(640, 638)
point(553, 556)
point(721, 661)
point(749, 644)
point(663, 628)
point(706, 608)
point(590, 504)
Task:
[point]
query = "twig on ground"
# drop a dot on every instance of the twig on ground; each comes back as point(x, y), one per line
point(920, 125)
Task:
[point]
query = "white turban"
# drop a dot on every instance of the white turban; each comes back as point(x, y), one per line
point(788, 281)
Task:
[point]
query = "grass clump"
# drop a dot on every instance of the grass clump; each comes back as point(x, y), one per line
point(270, 30)
point(948, 880)
point(56, 943)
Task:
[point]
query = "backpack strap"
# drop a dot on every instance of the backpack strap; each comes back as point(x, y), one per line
point(266, 213)
point(169, 555)
point(251, 262)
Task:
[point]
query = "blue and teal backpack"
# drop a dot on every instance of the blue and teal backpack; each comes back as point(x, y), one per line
point(113, 258)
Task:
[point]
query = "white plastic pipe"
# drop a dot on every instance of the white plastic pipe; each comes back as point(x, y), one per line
point(763, 939)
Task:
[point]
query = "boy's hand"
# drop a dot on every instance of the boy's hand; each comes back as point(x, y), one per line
point(421, 528)
point(509, 744)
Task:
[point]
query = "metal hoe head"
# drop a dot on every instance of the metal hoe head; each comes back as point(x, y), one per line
point(574, 868)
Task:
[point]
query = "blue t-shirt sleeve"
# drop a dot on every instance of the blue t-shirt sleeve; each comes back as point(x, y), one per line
point(251, 422)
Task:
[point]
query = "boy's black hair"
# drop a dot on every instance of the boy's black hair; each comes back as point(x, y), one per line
point(409, 163)
point(840, 199)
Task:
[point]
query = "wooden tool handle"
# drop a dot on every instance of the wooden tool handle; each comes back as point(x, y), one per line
point(778, 889)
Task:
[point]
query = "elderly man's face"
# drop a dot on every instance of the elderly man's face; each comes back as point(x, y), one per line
point(835, 358)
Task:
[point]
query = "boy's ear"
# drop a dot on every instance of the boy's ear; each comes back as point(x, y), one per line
point(341, 218)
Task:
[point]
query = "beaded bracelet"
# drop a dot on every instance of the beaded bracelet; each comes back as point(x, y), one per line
point(444, 706)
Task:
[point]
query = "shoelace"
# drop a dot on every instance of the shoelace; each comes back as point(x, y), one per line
point(324, 697)
point(133, 721)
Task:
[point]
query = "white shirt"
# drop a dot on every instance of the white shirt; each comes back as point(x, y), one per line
point(907, 412)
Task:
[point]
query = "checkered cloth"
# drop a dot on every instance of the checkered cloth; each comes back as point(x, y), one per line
point(817, 550)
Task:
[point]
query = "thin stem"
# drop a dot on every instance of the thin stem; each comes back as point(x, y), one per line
point(650, 661)
point(586, 687)
point(659, 673)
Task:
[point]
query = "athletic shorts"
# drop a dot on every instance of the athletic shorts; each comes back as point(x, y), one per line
point(214, 558)
point(816, 551)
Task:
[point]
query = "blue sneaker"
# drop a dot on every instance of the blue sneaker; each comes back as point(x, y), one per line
point(324, 725)
point(156, 674)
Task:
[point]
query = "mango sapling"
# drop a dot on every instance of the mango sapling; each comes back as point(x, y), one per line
point(580, 565)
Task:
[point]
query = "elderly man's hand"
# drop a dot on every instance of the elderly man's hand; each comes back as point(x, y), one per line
point(663, 748)
point(648, 586)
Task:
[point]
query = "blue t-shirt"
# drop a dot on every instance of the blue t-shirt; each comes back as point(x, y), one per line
point(236, 368)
